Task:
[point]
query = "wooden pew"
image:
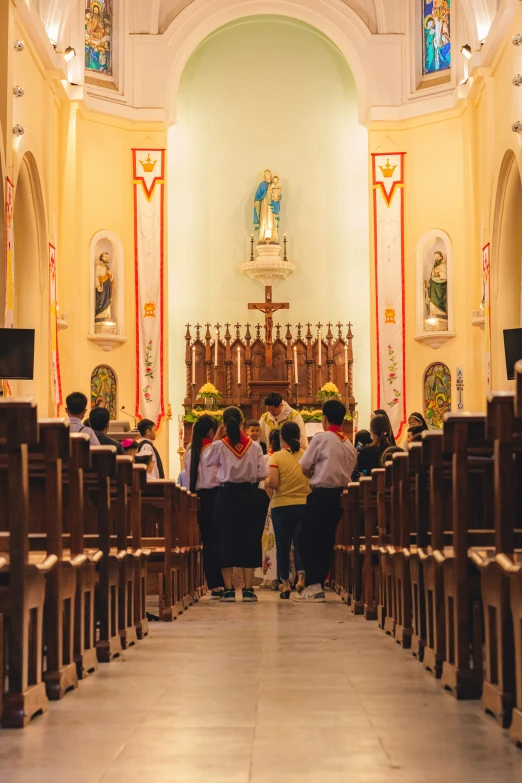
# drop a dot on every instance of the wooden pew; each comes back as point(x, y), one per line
point(420, 517)
point(370, 558)
point(141, 555)
point(355, 518)
point(121, 493)
point(22, 576)
point(379, 476)
point(401, 562)
point(439, 478)
point(389, 503)
point(465, 436)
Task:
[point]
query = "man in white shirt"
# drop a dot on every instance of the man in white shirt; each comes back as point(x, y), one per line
point(328, 462)
point(278, 413)
point(76, 408)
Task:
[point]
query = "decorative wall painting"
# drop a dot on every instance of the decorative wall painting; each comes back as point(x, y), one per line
point(437, 394)
point(103, 389)
point(98, 36)
point(436, 36)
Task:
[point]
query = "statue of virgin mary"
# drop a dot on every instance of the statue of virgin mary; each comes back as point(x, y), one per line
point(267, 207)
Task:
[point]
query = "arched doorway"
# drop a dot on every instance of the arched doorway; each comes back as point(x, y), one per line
point(506, 294)
point(31, 278)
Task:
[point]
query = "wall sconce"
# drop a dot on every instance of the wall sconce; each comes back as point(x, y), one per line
point(466, 51)
point(517, 80)
point(517, 39)
point(18, 130)
point(517, 127)
point(19, 46)
point(18, 92)
point(69, 53)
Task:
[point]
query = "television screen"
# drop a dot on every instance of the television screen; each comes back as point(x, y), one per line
point(17, 354)
point(513, 349)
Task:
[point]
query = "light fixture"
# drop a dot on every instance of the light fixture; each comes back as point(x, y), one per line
point(69, 53)
point(466, 51)
point(19, 46)
point(18, 130)
point(517, 39)
point(517, 80)
point(517, 127)
point(18, 92)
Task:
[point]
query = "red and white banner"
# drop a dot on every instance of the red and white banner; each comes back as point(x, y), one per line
point(486, 274)
point(388, 220)
point(56, 381)
point(149, 202)
point(9, 316)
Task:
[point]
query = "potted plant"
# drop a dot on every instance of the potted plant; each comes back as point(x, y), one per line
point(210, 396)
point(328, 392)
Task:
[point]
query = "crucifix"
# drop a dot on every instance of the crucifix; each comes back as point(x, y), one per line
point(268, 308)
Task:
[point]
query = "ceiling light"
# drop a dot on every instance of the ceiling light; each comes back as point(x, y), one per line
point(517, 127)
point(517, 39)
point(517, 80)
point(18, 92)
point(69, 53)
point(466, 51)
point(19, 46)
point(18, 130)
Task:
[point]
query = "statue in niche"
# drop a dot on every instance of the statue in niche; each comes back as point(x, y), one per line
point(436, 291)
point(104, 283)
point(267, 208)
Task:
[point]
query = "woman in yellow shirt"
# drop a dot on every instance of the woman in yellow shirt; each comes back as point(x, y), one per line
point(291, 488)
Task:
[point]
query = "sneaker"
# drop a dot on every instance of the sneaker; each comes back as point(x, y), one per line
point(228, 596)
point(248, 595)
point(216, 595)
point(309, 597)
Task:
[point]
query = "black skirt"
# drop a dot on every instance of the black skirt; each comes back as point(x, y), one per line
point(237, 526)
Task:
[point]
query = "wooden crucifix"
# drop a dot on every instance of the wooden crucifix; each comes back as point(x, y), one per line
point(268, 308)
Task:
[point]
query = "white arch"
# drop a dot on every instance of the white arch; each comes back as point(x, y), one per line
point(333, 18)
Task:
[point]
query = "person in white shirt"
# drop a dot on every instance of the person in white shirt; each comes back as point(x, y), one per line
point(278, 412)
point(240, 468)
point(203, 480)
point(328, 463)
point(148, 432)
point(76, 408)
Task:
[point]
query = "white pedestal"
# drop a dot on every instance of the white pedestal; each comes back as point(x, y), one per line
point(435, 339)
point(268, 266)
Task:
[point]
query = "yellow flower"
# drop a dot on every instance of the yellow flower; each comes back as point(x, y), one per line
point(330, 387)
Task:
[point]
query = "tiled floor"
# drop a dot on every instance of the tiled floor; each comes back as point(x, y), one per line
point(267, 693)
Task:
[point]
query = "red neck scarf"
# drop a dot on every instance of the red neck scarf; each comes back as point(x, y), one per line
point(241, 448)
point(205, 443)
point(337, 430)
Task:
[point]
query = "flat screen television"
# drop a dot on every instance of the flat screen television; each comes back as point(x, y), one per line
point(17, 354)
point(513, 350)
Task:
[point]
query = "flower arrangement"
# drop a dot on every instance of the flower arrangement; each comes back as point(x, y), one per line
point(192, 415)
point(328, 392)
point(208, 391)
point(310, 414)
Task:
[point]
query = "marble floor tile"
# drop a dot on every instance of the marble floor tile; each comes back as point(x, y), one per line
point(271, 693)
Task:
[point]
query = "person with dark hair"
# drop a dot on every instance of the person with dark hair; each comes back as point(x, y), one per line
point(381, 412)
point(291, 489)
point(204, 482)
point(130, 447)
point(413, 432)
point(76, 408)
point(240, 468)
point(328, 463)
point(99, 419)
point(370, 456)
point(362, 438)
point(252, 429)
point(417, 420)
point(388, 453)
point(277, 413)
point(147, 430)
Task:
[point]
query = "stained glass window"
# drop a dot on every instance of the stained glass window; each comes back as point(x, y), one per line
point(436, 36)
point(98, 36)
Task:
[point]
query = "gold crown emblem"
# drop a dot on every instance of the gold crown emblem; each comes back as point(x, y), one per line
point(389, 316)
point(149, 310)
point(148, 165)
point(387, 171)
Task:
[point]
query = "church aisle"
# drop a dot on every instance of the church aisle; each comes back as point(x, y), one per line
point(267, 693)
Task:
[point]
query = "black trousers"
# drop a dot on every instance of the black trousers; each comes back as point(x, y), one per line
point(317, 539)
point(211, 567)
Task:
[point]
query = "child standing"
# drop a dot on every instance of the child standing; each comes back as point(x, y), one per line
point(253, 431)
point(328, 463)
point(240, 468)
point(203, 480)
